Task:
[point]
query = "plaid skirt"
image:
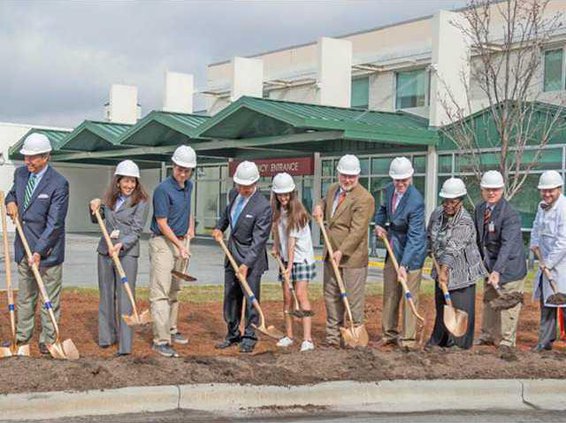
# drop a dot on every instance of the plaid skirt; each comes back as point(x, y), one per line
point(301, 272)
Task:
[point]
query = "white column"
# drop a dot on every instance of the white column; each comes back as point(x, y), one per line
point(247, 78)
point(179, 90)
point(334, 72)
point(431, 180)
point(316, 194)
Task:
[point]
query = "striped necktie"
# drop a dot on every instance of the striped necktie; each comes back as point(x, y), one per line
point(30, 187)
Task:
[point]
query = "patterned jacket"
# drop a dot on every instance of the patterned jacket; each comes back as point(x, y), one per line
point(453, 243)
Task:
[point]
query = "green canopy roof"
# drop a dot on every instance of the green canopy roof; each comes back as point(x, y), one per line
point(250, 117)
point(94, 136)
point(55, 136)
point(163, 128)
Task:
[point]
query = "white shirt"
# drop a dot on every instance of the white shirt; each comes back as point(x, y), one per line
point(303, 244)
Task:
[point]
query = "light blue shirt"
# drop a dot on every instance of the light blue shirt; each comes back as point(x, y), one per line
point(242, 207)
point(38, 177)
point(120, 201)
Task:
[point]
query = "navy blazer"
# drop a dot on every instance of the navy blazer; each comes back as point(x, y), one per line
point(502, 250)
point(407, 230)
point(249, 235)
point(43, 220)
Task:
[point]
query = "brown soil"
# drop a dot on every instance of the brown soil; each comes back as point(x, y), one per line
point(201, 363)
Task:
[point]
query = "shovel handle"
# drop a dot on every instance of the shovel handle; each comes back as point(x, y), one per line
point(538, 255)
point(8, 268)
point(442, 285)
point(286, 279)
point(117, 263)
point(243, 282)
point(46, 301)
point(408, 295)
point(337, 273)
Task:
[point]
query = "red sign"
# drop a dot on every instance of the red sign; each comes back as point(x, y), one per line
point(270, 167)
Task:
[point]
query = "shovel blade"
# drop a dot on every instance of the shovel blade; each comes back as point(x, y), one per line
point(183, 276)
point(5, 352)
point(23, 350)
point(456, 321)
point(65, 350)
point(356, 336)
point(270, 331)
point(143, 318)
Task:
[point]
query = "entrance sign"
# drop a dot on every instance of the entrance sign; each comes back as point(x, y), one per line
point(297, 166)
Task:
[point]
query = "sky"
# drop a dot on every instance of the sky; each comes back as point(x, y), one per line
point(59, 58)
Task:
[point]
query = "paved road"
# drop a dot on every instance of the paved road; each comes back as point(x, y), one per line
point(181, 416)
point(207, 263)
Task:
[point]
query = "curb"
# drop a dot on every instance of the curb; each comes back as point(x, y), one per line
point(400, 396)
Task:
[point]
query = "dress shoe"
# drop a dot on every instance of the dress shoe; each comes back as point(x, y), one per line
point(480, 342)
point(541, 347)
point(246, 348)
point(507, 353)
point(43, 348)
point(225, 344)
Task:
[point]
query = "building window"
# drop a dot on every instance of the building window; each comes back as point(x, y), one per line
point(360, 93)
point(411, 89)
point(553, 70)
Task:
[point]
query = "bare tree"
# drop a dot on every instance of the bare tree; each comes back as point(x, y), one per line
point(507, 39)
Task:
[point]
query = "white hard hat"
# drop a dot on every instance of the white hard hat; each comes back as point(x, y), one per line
point(401, 168)
point(492, 179)
point(127, 168)
point(453, 188)
point(246, 173)
point(550, 179)
point(185, 156)
point(349, 165)
point(283, 183)
point(35, 144)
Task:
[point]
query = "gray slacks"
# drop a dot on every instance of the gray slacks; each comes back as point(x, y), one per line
point(114, 302)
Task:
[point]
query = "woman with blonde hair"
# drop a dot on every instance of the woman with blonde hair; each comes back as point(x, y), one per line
point(124, 210)
point(293, 243)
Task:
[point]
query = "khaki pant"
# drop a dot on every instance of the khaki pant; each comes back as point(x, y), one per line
point(355, 283)
point(501, 325)
point(28, 292)
point(164, 288)
point(392, 296)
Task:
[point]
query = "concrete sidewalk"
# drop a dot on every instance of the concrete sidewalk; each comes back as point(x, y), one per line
point(207, 263)
point(400, 396)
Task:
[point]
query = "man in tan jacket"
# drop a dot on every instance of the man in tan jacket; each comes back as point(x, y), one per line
point(347, 210)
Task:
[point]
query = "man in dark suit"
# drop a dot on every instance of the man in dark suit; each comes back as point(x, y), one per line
point(249, 216)
point(40, 198)
point(403, 210)
point(500, 242)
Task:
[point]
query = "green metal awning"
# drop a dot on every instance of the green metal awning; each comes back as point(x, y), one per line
point(55, 136)
point(163, 128)
point(94, 136)
point(250, 118)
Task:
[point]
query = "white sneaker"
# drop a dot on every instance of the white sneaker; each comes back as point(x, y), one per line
point(307, 346)
point(285, 342)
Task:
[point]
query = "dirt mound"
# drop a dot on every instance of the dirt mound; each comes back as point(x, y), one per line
point(201, 363)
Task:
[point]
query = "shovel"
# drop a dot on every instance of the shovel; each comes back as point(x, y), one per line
point(13, 349)
point(455, 320)
point(297, 312)
point(408, 295)
point(266, 330)
point(65, 350)
point(137, 318)
point(354, 336)
point(557, 298)
point(184, 275)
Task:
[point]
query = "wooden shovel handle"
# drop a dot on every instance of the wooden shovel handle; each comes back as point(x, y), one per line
point(286, 279)
point(546, 271)
point(243, 281)
point(337, 273)
point(442, 285)
point(38, 278)
point(403, 283)
point(8, 267)
point(116, 261)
